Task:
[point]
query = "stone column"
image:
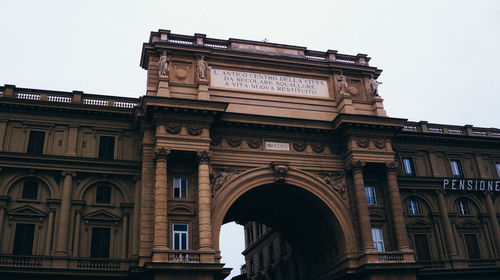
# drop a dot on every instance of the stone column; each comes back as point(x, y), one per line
point(493, 221)
point(124, 235)
point(397, 207)
point(448, 231)
point(76, 241)
point(160, 234)
point(135, 221)
point(2, 214)
point(50, 229)
point(204, 202)
point(64, 214)
point(363, 213)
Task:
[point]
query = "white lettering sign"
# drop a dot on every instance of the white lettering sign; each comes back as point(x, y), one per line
point(268, 83)
point(277, 146)
point(471, 185)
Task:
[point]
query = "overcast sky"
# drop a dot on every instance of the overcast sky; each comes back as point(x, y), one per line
point(440, 59)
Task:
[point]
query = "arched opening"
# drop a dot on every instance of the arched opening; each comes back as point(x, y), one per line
point(297, 216)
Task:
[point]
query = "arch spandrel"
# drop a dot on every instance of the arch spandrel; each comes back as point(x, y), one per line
point(229, 193)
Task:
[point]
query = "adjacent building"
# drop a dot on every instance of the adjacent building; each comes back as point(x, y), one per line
point(294, 144)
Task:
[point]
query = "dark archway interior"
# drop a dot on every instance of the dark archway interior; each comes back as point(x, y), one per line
point(301, 218)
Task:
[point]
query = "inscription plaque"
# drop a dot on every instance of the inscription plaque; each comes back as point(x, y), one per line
point(277, 146)
point(268, 83)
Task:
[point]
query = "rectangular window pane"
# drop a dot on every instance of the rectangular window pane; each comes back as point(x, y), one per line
point(35, 142)
point(378, 239)
point(99, 247)
point(180, 236)
point(408, 166)
point(413, 207)
point(463, 207)
point(422, 247)
point(103, 194)
point(30, 190)
point(180, 187)
point(106, 147)
point(23, 239)
point(371, 198)
point(498, 168)
point(456, 169)
point(472, 246)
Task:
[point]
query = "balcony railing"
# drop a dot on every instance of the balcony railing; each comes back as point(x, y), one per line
point(482, 263)
point(77, 97)
point(390, 257)
point(467, 130)
point(98, 264)
point(184, 256)
point(21, 261)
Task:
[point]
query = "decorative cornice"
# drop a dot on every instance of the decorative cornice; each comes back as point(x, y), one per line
point(391, 167)
point(161, 154)
point(356, 165)
point(204, 156)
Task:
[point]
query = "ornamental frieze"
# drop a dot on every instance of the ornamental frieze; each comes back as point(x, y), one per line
point(299, 146)
point(221, 175)
point(380, 143)
point(362, 142)
point(233, 141)
point(254, 143)
point(336, 180)
point(318, 147)
point(173, 128)
point(194, 130)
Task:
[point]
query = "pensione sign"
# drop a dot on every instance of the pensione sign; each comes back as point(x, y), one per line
point(471, 185)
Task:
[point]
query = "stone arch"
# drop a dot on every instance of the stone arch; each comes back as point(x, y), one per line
point(429, 204)
point(85, 186)
point(239, 185)
point(48, 182)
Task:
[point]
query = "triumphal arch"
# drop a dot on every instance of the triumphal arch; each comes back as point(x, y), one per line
point(294, 144)
point(271, 133)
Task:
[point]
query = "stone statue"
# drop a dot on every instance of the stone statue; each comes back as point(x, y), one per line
point(163, 63)
point(373, 86)
point(343, 86)
point(202, 68)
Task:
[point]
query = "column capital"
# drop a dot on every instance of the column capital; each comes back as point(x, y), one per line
point(356, 165)
point(204, 156)
point(161, 154)
point(72, 174)
point(391, 167)
point(443, 192)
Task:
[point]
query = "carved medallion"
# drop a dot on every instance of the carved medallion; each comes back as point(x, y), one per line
point(336, 180)
point(318, 147)
point(254, 143)
point(194, 130)
point(335, 148)
point(362, 142)
point(299, 146)
point(233, 141)
point(380, 143)
point(173, 128)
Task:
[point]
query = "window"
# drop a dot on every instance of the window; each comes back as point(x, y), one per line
point(270, 249)
point(23, 239)
point(261, 260)
point(408, 167)
point(463, 207)
point(378, 239)
point(422, 247)
point(456, 169)
point(99, 245)
point(472, 246)
point(371, 198)
point(30, 190)
point(259, 230)
point(35, 142)
point(180, 187)
point(252, 269)
point(106, 147)
point(250, 235)
point(103, 194)
point(498, 168)
point(180, 236)
point(283, 247)
point(413, 207)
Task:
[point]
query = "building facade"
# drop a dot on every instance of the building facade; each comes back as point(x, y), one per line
point(293, 143)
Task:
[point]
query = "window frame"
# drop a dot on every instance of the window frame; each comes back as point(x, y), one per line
point(463, 207)
point(497, 164)
point(35, 148)
point(378, 241)
point(37, 192)
point(414, 204)
point(103, 151)
point(408, 166)
point(180, 187)
point(426, 251)
point(471, 249)
point(100, 249)
point(97, 194)
point(186, 234)
point(371, 195)
point(456, 168)
point(16, 234)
